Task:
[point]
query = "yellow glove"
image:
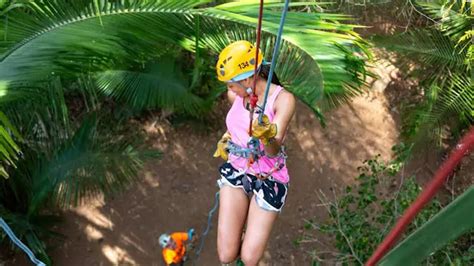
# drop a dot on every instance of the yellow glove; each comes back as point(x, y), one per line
point(264, 131)
point(221, 147)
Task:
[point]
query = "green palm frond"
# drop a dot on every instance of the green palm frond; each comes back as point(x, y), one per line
point(457, 98)
point(81, 168)
point(443, 104)
point(468, 35)
point(434, 51)
point(64, 161)
point(442, 68)
point(51, 38)
point(67, 161)
point(9, 150)
point(466, 42)
point(453, 16)
point(46, 122)
point(442, 64)
point(470, 57)
point(449, 224)
point(159, 84)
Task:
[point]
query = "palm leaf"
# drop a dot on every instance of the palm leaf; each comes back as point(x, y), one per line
point(467, 36)
point(75, 32)
point(443, 65)
point(82, 168)
point(453, 16)
point(62, 165)
point(9, 150)
point(454, 98)
point(46, 123)
point(159, 84)
point(466, 41)
point(432, 50)
point(454, 220)
point(58, 38)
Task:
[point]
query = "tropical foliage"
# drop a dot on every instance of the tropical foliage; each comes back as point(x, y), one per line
point(450, 223)
point(65, 160)
point(70, 69)
point(436, 51)
point(8, 148)
point(442, 52)
point(94, 36)
point(362, 215)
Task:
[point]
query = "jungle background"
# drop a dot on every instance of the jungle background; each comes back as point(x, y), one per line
point(110, 113)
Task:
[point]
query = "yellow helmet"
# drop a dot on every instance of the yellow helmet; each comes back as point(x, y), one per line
point(237, 61)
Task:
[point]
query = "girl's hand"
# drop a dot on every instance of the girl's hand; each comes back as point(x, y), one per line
point(264, 131)
point(221, 150)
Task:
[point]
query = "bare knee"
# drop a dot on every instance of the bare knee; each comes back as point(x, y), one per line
point(227, 255)
point(227, 249)
point(249, 256)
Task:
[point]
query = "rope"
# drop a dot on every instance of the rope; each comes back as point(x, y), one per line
point(274, 57)
point(253, 96)
point(20, 244)
point(464, 147)
point(208, 227)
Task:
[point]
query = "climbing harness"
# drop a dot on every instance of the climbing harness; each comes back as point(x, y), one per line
point(246, 152)
point(256, 152)
point(279, 164)
point(251, 151)
point(20, 244)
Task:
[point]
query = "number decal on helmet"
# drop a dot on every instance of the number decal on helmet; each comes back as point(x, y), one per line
point(244, 65)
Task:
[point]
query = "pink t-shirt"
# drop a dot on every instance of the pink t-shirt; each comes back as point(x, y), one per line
point(238, 121)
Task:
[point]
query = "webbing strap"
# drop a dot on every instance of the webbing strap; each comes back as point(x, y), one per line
point(255, 152)
point(252, 151)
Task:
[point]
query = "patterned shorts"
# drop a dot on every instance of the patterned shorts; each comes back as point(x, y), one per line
point(269, 193)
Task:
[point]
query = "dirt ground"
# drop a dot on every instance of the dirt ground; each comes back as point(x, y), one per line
point(177, 191)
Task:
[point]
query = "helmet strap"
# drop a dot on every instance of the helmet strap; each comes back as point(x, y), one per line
point(248, 90)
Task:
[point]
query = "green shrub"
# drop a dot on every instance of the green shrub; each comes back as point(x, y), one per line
point(363, 215)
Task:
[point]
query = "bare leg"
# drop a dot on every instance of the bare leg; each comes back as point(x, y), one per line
point(233, 208)
point(259, 226)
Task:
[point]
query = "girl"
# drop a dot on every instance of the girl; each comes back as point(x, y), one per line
point(252, 192)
